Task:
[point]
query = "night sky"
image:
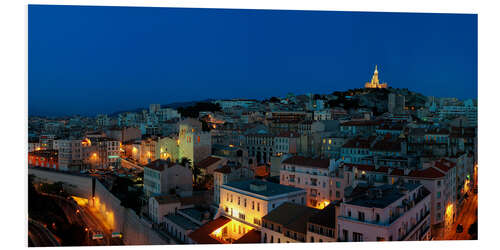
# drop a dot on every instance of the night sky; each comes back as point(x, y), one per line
point(89, 60)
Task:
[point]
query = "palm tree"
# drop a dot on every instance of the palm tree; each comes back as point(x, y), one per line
point(194, 169)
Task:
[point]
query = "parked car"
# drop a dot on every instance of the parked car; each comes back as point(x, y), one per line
point(460, 228)
point(475, 190)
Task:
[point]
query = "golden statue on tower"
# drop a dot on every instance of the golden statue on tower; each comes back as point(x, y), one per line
point(374, 84)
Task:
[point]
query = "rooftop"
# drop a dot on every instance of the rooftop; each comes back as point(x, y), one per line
point(160, 165)
point(292, 216)
point(202, 234)
point(325, 217)
point(268, 189)
point(207, 162)
point(166, 199)
point(388, 195)
point(182, 221)
point(44, 153)
point(194, 212)
point(252, 236)
point(306, 161)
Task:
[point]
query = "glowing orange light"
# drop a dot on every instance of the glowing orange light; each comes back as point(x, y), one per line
point(217, 232)
point(325, 203)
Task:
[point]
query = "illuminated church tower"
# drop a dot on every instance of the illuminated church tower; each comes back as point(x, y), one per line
point(374, 84)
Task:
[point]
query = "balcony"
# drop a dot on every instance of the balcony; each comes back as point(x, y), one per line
point(417, 225)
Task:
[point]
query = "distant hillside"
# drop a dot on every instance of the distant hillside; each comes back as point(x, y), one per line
point(374, 99)
point(173, 105)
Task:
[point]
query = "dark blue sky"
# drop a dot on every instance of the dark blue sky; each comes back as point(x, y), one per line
point(88, 60)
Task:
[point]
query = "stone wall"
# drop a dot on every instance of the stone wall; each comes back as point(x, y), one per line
point(135, 230)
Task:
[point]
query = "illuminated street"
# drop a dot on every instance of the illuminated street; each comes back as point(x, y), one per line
point(466, 217)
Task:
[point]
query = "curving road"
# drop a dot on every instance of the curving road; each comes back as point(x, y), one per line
point(466, 218)
point(41, 236)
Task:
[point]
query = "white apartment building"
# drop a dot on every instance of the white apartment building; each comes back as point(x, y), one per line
point(439, 177)
point(386, 213)
point(166, 177)
point(285, 143)
point(229, 173)
point(249, 200)
point(312, 175)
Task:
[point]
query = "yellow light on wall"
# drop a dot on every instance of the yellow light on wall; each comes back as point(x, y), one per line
point(325, 203)
point(217, 232)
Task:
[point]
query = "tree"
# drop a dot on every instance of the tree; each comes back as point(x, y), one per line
point(274, 99)
point(194, 111)
point(194, 169)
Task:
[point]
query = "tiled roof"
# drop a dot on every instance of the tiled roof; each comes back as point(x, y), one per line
point(202, 234)
point(252, 236)
point(292, 216)
point(309, 162)
point(325, 217)
point(207, 162)
point(444, 164)
point(428, 173)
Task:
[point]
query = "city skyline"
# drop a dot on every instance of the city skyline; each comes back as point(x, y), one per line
point(125, 58)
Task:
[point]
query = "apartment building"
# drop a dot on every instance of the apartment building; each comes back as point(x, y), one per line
point(312, 175)
point(167, 177)
point(385, 213)
point(248, 201)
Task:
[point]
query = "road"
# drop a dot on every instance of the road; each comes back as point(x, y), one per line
point(41, 236)
point(83, 216)
point(466, 218)
point(128, 164)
